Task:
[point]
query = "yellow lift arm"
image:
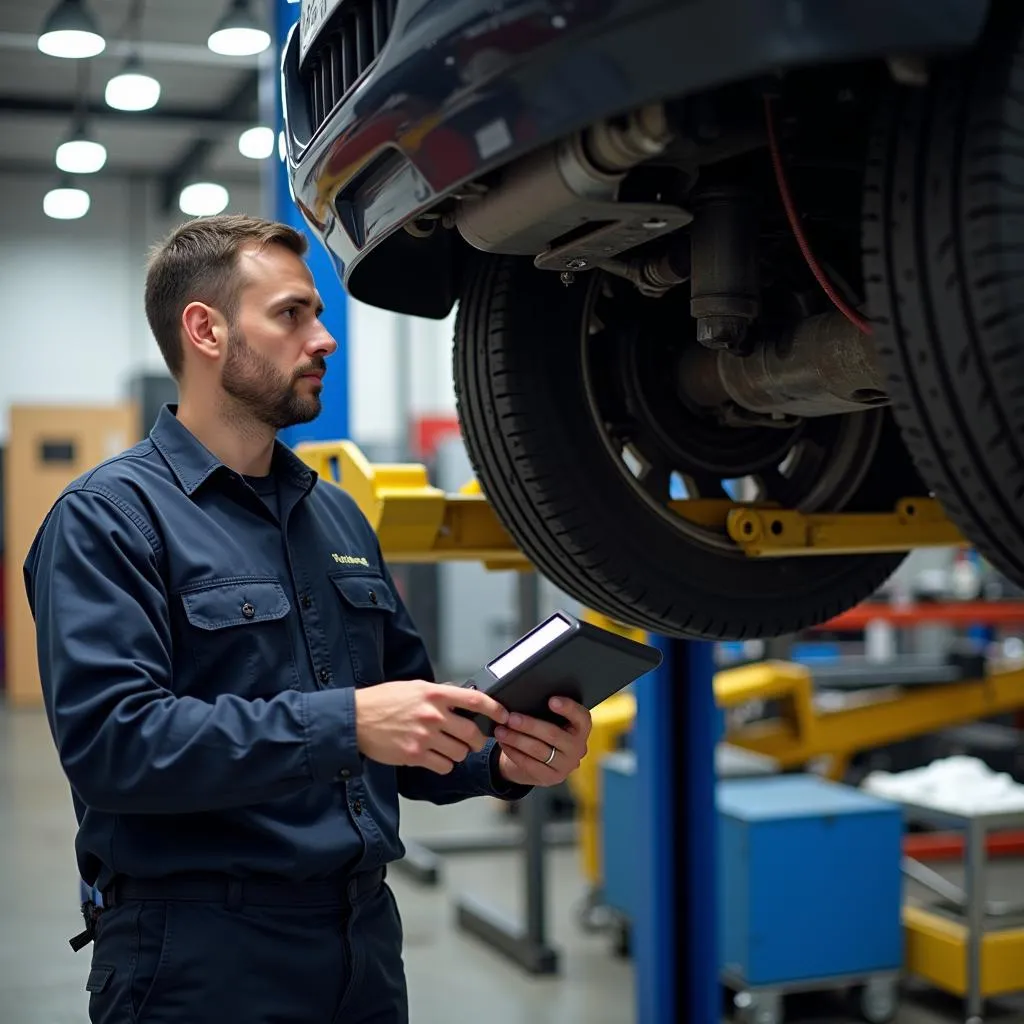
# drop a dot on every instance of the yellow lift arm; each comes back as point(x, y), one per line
point(417, 522)
point(414, 521)
point(803, 733)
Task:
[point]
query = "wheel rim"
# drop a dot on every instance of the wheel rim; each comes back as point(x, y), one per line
point(666, 451)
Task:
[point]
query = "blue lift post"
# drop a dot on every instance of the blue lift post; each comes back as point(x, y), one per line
point(675, 923)
point(333, 421)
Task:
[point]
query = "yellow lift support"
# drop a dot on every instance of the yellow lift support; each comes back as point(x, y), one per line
point(416, 522)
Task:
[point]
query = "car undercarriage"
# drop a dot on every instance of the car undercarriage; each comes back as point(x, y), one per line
point(795, 290)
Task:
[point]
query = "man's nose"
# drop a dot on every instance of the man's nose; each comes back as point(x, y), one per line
point(322, 343)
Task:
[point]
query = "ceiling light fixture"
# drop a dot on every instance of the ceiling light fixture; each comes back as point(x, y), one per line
point(238, 34)
point(66, 203)
point(80, 155)
point(132, 89)
point(203, 199)
point(256, 143)
point(71, 31)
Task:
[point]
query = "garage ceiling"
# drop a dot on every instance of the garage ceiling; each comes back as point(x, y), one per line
point(206, 99)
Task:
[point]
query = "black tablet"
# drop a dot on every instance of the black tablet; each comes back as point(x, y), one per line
point(562, 657)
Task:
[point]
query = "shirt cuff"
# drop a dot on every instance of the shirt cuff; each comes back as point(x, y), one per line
point(500, 786)
point(331, 735)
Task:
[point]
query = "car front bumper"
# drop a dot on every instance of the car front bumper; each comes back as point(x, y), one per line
point(461, 88)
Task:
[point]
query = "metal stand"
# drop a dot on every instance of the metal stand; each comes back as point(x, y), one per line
point(524, 943)
point(675, 736)
point(422, 860)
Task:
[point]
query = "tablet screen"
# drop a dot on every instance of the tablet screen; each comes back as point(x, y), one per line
point(528, 646)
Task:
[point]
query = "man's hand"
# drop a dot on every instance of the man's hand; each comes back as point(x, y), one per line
point(413, 723)
point(538, 753)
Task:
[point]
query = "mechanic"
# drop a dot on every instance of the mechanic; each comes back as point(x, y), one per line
point(236, 690)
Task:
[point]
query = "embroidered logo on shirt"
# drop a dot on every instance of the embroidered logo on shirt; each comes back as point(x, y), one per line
point(350, 560)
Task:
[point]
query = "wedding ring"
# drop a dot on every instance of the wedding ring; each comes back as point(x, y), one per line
point(551, 756)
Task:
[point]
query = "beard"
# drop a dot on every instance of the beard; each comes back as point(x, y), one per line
point(266, 394)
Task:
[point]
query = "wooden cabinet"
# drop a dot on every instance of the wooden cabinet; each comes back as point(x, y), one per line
point(48, 447)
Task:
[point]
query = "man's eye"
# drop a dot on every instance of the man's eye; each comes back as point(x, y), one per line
point(291, 312)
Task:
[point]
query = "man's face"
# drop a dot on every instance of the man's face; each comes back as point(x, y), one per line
point(277, 347)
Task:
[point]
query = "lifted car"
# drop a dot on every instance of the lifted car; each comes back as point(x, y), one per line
point(767, 251)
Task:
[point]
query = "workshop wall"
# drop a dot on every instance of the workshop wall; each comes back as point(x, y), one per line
point(74, 327)
point(400, 368)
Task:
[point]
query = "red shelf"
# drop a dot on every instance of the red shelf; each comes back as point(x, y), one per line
point(963, 613)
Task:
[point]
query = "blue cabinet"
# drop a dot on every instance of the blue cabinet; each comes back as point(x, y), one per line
point(618, 831)
point(810, 885)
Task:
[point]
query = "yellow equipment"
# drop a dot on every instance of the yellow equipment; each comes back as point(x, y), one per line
point(936, 950)
point(802, 733)
point(417, 522)
point(915, 523)
point(414, 521)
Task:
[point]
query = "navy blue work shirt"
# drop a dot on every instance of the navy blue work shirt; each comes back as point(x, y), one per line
point(200, 644)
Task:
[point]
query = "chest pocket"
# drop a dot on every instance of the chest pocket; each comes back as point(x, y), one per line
point(238, 633)
point(366, 602)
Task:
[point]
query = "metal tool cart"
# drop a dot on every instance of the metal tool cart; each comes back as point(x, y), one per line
point(965, 943)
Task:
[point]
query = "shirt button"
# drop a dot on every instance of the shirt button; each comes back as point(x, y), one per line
point(373, 597)
point(248, 610)
point(343, 774)
point(357, 807)
point(306, 602)
point(323, 675)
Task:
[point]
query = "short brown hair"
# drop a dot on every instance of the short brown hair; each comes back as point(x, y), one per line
point(197, 262)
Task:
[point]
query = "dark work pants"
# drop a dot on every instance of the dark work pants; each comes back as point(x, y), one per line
point(164, 961)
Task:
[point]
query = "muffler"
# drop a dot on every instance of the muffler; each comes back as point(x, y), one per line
point(560, 205)
point(823, 366)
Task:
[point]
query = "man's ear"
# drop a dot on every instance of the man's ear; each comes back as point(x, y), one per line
point(205, 330)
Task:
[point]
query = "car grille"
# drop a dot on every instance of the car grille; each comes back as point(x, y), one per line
point(350, 42)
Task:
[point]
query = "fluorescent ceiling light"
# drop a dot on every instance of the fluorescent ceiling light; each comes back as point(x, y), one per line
point(238, 34)
point(132, 90)
point(203, 199)
point(70, 31)
point(81, 156)
point(66, 203)
point(256, 143)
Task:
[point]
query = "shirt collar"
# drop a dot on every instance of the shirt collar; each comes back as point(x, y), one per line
point(193, 463)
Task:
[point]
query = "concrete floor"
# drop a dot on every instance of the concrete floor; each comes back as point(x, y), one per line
point(42, 980)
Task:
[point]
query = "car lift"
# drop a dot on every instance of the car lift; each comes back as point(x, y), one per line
point(674, 728)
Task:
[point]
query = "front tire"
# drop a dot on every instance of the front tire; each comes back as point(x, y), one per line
point(526, 407)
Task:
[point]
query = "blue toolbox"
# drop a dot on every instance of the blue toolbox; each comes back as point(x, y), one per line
point(810, 881)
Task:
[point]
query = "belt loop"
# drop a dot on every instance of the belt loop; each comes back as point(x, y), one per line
point(235, 892)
